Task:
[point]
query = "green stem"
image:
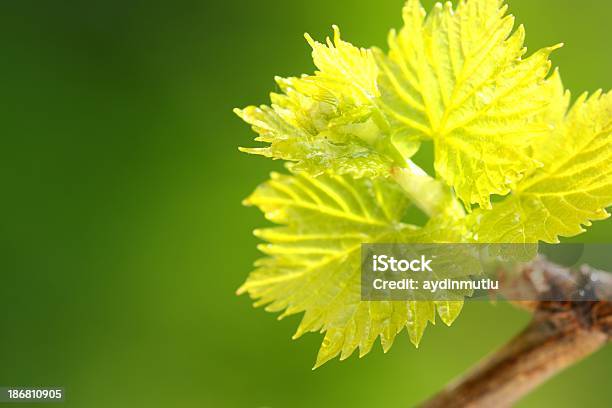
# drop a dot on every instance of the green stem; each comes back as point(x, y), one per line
point(432, 196)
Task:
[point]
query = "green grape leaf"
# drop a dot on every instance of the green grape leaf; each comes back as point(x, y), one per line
point(327, 121)
point(572, 189)
point(346, 73)
point(313, 260)
point(500, 125)
point(458, 77)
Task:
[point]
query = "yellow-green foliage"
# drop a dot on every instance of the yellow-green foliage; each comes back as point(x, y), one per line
point(499, 124)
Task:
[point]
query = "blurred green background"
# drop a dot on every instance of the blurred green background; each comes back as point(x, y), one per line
point(123, 237)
